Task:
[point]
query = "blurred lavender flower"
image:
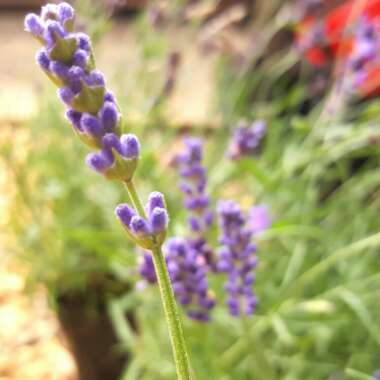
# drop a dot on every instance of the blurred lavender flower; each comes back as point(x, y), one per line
point(66, 57)
point(150, 232)
point(246, 139)
point(377, 375)
point(237, 258)
point(314, 36)
point(259, 219)
point(147, 271)
point(193, 186)
point(188, 276)
point(365, 52)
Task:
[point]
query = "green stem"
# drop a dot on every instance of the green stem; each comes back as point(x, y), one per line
point(135, 198)
point(177, 338)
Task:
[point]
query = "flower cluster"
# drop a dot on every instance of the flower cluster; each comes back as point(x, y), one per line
point(67, 58)
point(197, 202)
point(348, 35)
point(237, 258)
point(364, 53)
point(188, 275)
point(246, 139)
point(147, 232)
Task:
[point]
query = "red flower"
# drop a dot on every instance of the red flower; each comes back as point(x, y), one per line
point(335, 41)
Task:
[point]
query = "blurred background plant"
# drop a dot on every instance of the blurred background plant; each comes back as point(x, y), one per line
point(202, 68)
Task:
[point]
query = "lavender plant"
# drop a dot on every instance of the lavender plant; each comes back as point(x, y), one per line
point(246, 139)
point(196, 201)
point(188, 273)
point(67, 59)
point(237, 259)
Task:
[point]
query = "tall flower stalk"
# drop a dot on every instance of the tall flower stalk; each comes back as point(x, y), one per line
point(67, 59)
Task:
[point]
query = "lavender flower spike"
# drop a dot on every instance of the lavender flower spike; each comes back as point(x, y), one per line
point(189, 279)
point(196, 201)
point(67, 59)
point(237, 259)
point(246, 139)
point(149, 233)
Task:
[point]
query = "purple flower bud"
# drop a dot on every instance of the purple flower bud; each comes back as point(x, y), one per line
point(74, 117)
point(139, 226)
point(198, 316)
point(74, 78)
point(98, 162)
point(147, 270)
point(91, 125)
point(60, 70)
point(34, 25)
point(80, 58)
point(43, 60)
point(158, 220)
point(83, 42)
point(109, 115)
point(66, 95)
point(49, 12)
point(109, 97)
point(65, 12)
point(234, 307)
point(53, 32)
point(194, 223)
point(131, 146)
point(95, 79)
point(111, 141)
point(156, 199)
point(197, 203)
point(125, 214)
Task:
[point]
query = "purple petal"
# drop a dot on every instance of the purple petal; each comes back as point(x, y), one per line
point(91, 125)
point(109, 115)
point(34, 25)
point(95, 79)
point(131, 146)
point(111, 141)
point(65, 12)
point(80, 58)
point(158, 220)
point(125, 214)
point(83, 42)
point(59, 69)
point(43, 60)
point(66, 95)
point(156, 199)
point(74, 117)
point(98, 162)
point(139, 226)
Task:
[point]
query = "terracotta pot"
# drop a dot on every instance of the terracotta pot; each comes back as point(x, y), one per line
point(91, 336)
